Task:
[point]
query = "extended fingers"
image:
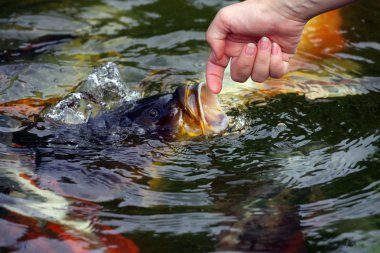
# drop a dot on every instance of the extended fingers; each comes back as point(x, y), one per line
point(269, 61)
point(259, 62)
point(217, 33)
point(241, 66)
point(261, 66)
point(278, 67)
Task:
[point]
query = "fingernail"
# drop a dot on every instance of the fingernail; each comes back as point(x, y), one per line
point(275, 48)
point(250, 49)
point(264, 43)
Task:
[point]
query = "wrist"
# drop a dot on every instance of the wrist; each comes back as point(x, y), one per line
point(280, 11)
point(304, 10)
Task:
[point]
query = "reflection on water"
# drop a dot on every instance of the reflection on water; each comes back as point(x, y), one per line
point(297, 171)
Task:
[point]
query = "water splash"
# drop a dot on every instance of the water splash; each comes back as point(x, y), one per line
point(103, 89)
point(105, 85)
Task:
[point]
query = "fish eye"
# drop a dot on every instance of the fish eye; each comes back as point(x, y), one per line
point(153, 113)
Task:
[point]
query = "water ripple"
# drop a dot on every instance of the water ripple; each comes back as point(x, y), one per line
point(323, 166)
point(175, 223)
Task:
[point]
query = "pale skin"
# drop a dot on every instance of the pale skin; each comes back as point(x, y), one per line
point(259, 37)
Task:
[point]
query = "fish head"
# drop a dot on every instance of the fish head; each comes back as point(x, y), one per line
point(156, 114)
point(189, 111)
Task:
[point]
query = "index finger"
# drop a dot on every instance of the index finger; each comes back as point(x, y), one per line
point(217, 33)
point(215, 72)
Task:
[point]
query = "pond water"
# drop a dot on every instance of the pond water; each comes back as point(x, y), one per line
point(297, 171)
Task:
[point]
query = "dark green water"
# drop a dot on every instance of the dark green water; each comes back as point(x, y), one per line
point(302, 175)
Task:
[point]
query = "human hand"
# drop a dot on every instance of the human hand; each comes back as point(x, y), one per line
point(244, 33)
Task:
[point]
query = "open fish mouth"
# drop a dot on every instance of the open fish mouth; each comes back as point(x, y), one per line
point(202, 113)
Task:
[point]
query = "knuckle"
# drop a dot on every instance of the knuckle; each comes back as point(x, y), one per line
point(278, 70)
point(239, 79)
point(209, 37)
point(211, 58)
point(223, 14)
point(259, 80)
point(259, 77)
point(276, 74)
point(239, 76)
